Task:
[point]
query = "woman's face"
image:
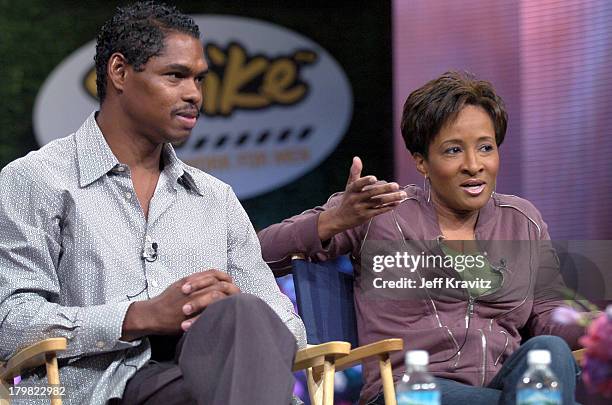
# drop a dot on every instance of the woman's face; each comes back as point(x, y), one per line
point(462, 162)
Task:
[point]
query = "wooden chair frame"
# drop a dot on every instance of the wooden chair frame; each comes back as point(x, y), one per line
point(380, 349)
point(320, 363)
point(43, 352)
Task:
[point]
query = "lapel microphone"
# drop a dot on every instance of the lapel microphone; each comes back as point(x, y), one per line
point(149, 253)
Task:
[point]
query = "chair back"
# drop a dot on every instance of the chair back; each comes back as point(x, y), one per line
point(324, 295)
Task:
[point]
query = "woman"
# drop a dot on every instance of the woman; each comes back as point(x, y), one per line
point(453, 127)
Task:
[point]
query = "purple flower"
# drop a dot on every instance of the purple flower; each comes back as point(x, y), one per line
point(598, 339)
point(566, 316)
point(597, 375)
point(598, 360)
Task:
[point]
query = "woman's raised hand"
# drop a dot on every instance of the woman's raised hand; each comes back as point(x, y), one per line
point(363, 198)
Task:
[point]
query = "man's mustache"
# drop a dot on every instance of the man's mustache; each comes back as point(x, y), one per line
point(189, 110)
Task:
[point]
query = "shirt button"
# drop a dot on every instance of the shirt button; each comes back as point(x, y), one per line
point(154, 282)
point(120, 169)
point(128, 196)
point(100, 344)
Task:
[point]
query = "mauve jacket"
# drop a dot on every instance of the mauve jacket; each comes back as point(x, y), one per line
point(468, 340)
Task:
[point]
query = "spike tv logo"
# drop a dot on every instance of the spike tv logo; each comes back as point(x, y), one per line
point(276, 104)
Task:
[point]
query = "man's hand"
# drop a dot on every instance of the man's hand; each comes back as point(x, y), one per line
point(364, 198)
point(202, 290)
point(175, 309)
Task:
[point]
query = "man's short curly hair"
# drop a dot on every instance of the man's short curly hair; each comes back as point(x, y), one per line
point(438, 102)
point(137, 32)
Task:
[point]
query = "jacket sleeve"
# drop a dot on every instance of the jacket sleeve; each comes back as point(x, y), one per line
point(30, 252)
point(549, 292)
point(299, 235)
point(251, 274)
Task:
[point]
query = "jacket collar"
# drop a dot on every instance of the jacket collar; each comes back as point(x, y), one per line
point(484, 223)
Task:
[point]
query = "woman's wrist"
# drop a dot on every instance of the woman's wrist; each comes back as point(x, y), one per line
point(327, 226)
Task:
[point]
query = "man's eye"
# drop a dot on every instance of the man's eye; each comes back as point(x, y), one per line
point(453, 150)
point(199, 79)
point(175, 75)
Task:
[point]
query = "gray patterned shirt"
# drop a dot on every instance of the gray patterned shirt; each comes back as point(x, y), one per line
point(72, 234)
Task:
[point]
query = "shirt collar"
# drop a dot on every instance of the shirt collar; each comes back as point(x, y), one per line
point(178, 171)
point(95, 158)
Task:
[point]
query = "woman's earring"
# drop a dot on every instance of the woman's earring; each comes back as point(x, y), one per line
point(427, 187)
point(494, 188)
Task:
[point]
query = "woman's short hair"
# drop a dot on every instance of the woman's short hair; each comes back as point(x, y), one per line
point(438, 102)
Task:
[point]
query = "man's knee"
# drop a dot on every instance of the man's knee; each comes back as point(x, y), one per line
point(240, 312)
point(228, 314)
point(245, 300)
point(236, 302)
point(240, 307)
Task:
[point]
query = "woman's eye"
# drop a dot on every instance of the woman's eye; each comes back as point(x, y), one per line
point(486, 148)
point(453, 150)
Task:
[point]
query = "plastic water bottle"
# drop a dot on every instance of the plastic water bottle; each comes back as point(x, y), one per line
point(538, 386)
point(417, 387)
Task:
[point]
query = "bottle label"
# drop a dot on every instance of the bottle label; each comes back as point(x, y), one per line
point(532, 396)
point(418, 398)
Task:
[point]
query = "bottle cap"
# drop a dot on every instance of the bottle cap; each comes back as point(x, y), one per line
point(538, 357)
point(417, 357)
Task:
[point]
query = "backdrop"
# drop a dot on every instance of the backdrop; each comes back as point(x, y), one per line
point(551, 61)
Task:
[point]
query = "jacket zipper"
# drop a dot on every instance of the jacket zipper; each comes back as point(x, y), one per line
point(483, 339)
point(469, 312)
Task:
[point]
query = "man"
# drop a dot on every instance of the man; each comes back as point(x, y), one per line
point(109, 240)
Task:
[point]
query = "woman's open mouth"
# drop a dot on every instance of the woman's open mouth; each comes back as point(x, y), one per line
point(473, 187)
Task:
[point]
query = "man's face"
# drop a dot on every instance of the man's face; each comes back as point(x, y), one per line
point(163, 101)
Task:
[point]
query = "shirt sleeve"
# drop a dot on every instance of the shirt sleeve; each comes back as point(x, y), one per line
point(30, 292)
point(299, 234)
point(251, 273)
